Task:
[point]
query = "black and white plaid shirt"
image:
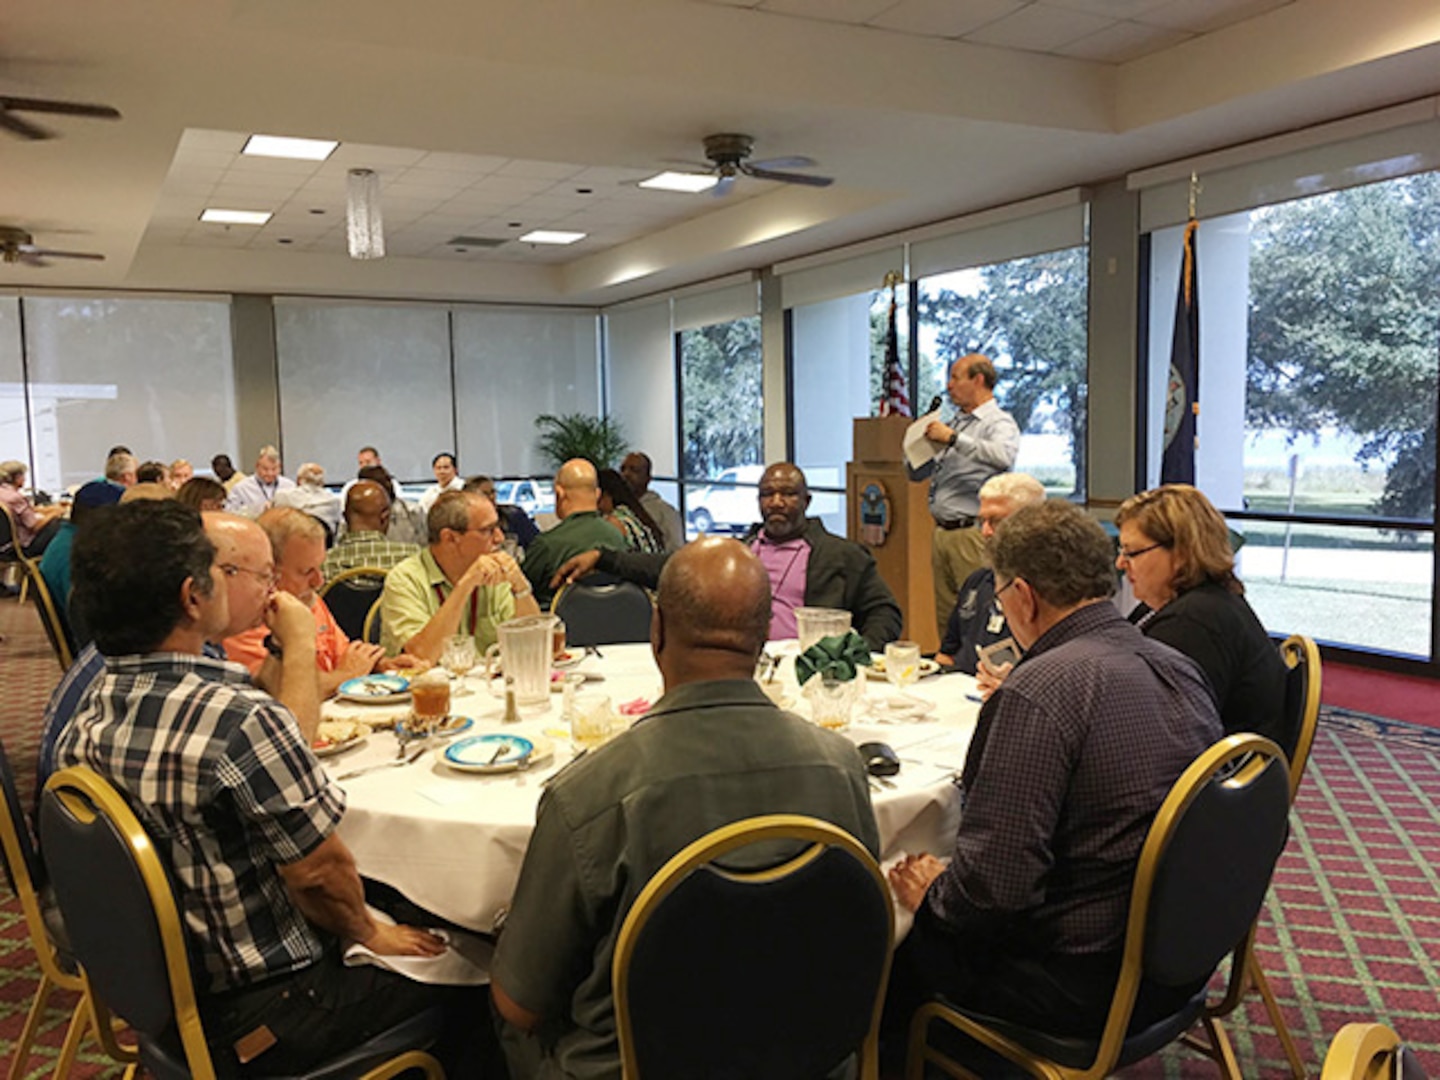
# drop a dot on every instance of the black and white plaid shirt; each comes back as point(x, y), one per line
point(221, 778)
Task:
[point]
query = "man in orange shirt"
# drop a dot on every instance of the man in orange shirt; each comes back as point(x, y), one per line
point(298, 543)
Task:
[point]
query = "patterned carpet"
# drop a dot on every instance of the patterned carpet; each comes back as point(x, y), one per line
point(1351, 931)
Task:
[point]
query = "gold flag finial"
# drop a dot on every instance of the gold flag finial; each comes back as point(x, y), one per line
point(892, 279)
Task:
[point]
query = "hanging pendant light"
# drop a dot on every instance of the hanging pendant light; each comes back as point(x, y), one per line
point(364, 228)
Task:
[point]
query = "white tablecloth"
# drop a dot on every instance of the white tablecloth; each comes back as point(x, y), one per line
point(453, 842)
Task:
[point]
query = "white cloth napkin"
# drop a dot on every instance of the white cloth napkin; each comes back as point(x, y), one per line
point(465, 961)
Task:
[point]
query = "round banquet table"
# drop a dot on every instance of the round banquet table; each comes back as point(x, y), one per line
point(453, 842)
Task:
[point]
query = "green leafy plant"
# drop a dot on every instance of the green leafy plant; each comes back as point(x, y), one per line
point(837, 658)
point(598, 439)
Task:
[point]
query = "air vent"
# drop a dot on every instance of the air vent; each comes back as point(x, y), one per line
point(477, 241)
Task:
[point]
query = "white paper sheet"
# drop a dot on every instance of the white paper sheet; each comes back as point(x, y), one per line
point(919, 449)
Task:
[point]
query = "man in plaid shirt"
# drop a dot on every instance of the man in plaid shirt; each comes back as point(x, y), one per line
point(367, 517)
point(237, 805)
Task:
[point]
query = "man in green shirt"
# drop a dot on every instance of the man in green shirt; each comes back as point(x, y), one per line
point(581, 528)
point(463, 582)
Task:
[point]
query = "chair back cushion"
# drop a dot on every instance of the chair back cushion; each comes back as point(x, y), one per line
point(349, 600)
point(607, 614)
point(1212, 876)
point(107, 908)
point(732, 977)
point(52, 618)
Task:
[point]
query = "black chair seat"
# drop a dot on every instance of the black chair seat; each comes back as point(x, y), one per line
point(165, 1057)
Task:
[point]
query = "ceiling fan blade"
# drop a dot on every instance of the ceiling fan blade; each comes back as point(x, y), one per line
point(22, 128)
point(690, 166)
point(798, 162)
point(63, 108)
point(723, 187)
point(40, 253)
point(29, 258)
point(788, 177)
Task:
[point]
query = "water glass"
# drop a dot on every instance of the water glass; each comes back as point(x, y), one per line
point(429, 701)
point(814, 623)
point(592, 720)
point(458, 657)
point(902, 663)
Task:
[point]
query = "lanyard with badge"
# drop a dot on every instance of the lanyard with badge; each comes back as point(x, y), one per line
point(474, 605)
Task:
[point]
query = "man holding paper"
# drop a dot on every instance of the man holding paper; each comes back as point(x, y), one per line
point(982, 444)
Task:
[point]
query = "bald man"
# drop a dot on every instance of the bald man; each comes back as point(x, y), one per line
point(713, 750)
point(364, 543)
point(581, 528)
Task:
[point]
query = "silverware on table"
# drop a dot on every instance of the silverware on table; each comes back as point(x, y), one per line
point(414, 757)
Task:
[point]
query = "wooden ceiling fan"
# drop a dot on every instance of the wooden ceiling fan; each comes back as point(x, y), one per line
point(24, 129)
point(18, 246)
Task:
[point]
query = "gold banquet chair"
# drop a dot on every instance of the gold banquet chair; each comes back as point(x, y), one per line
point(730, 963)
point(123, 921)
point(48, 938)
point(1302, 716)
point(1370, 1052)
point(57, 630)
point(10, 550)
point(351, 594)
point(1201, 878)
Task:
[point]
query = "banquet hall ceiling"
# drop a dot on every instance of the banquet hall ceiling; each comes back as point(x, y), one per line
point(487, 119)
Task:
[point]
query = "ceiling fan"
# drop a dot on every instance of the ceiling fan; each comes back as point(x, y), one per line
point(9, 106)
point(729, 155)
point(18, 246)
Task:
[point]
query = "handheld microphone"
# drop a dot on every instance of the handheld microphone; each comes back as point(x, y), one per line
point(934, 403)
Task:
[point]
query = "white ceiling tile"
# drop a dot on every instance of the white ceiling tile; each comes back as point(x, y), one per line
point(1112, 9)
point(473, 164)
point(848, 11)
point(1039, 29)
point(203, 139)
point(366, 155)
point(1124, 42)
point(1203, 16)
point(541, 170)
point(944, 18)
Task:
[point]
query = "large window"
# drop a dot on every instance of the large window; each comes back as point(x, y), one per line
point(1320, 345)
point(722, 423)
point(1029, 316)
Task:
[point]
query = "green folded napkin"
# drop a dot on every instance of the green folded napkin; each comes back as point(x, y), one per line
point(836, 657)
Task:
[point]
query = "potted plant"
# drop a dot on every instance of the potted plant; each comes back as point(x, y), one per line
point(598, 439)
point(828, 673)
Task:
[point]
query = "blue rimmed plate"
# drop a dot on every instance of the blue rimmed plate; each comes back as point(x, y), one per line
point(489, 753)
point(375, 689)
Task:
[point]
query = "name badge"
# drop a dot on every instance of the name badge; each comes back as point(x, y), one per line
point(996, 625)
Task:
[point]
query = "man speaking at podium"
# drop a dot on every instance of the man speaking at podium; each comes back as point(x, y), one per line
point(983, 443)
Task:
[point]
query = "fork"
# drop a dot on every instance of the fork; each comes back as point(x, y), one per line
point(353, 773)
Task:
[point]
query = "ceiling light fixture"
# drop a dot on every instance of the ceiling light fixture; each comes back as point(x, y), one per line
point(364, 227)
point(282, 146)
point(215, 216)
point(549, 236)
point(690, 183)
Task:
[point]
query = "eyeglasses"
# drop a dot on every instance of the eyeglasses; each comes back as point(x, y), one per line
point(1130, 556)
point(268, 578)
point(1003, 589)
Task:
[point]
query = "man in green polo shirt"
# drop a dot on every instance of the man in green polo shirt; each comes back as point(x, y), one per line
point(581, 528)
point(463, 582)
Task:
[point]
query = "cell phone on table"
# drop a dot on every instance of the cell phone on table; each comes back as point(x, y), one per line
point(1002, 652)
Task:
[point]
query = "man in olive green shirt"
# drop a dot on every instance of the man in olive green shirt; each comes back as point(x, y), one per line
point(462, 583)
point(581, 528)
point(713, 750)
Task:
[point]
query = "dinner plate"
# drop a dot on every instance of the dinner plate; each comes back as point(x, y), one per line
point(489, 753)
point(375, 689)
point(876, 670)
point(453, 725)
point(330, 749)
point(568, 659)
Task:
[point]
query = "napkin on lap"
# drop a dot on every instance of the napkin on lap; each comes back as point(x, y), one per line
point(466, 961)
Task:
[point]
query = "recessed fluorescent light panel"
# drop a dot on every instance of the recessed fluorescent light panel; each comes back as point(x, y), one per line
point(281, 146)
point(235, 217)
point(546, 236)
point(691, 183)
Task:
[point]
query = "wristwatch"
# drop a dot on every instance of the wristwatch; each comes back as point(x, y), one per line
point(953, 436)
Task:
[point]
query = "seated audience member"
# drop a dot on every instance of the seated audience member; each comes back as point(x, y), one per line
point(242, 552)
point(1175, 549)
point(153, 472)
point(364, 543)
point(609, 822)
point(310, 495)
point(237, 806)
point(517, 524)
point(977, 620)
point(1070, 760)
point(620, 507)
point(55, 563)
point(147, 489)
point(581, 528)
point(447, 478)
point(120, 468)
point(225, 472)
point(636, 470)
point(365, 457)
point(808, 566)
point(407, 520)
point(256, 493)
point(201, 493)
point(35, 526)
point(462, 583)
point(180, 471)
point(297, 544)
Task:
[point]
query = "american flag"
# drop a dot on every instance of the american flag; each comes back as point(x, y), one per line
point(893, 399)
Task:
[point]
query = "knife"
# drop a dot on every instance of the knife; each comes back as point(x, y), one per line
point(353, 773)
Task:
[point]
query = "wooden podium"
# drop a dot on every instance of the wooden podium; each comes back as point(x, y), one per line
point(890, 515)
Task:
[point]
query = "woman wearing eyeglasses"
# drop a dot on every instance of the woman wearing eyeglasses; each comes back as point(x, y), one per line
point(1175, 550)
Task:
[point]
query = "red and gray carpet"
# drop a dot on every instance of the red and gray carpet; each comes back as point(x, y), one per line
point(1351, 931)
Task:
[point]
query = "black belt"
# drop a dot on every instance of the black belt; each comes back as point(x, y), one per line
point(964, 521)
